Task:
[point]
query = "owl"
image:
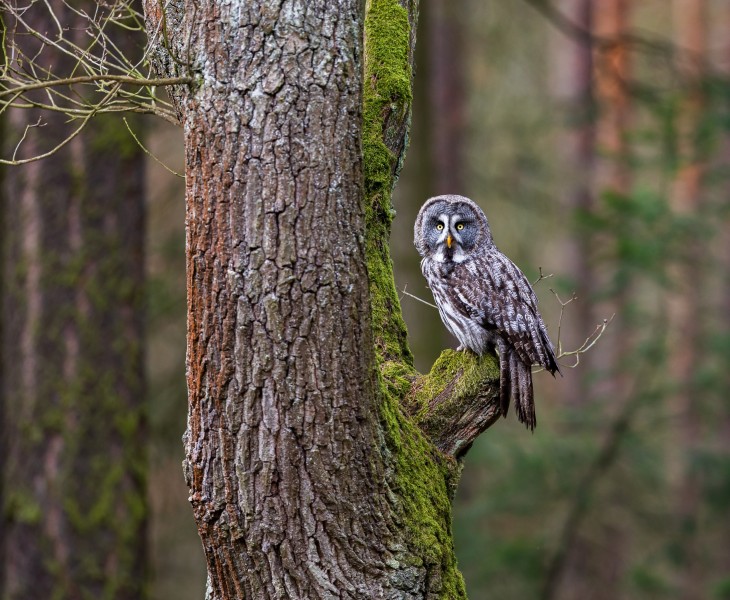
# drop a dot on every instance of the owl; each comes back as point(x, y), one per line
point(483, 298)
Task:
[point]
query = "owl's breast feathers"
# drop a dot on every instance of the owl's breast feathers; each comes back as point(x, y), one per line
point(490, 291)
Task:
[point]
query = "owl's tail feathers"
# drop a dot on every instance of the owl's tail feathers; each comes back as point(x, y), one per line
point(515, 380)
point(521, 375)
point(505, 380)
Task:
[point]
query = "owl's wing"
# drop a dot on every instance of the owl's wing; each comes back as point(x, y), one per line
point(497, 294)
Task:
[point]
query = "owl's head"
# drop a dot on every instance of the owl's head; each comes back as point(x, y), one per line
point(450, 228)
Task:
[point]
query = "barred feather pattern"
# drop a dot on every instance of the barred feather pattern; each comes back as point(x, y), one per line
point(483, 298)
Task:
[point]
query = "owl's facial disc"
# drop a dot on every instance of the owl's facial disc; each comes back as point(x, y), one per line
point(447, 241)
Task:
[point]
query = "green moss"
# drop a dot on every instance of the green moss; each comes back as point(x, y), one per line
point(398, 377)
point(423, 480)
point(455, 380)
point(22, 508)
point(387, 92)
point(472, 371)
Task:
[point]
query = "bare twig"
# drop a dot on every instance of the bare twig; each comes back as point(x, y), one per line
point(97, 75)
point(136, 81)
point(147, 152)
point(421, 300)
point(588, 343)
point(56, 148)
point(28, 127)
point(539, 279)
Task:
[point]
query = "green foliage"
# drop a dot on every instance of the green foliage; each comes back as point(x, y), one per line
point(22, 508)
point(648, 583)
point(111, 135)
point(721, 589)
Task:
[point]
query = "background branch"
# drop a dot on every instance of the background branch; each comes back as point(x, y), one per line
point(98, 77)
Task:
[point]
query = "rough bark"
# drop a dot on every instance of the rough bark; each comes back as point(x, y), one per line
point(74, 508)
point(307, 477)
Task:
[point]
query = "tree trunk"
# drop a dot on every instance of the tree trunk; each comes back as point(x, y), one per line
point(685, 304)
point(74, 509)
point(446, 64)
point(613, 177)
point(320, 464)
point(610, 24)
point(573, 90)
point(593, 86)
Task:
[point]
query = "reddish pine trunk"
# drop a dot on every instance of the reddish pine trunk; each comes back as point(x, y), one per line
point(572, 88)
point(685, 304)
point(446, 98)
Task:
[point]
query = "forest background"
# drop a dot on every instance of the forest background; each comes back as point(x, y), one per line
point(596, 137)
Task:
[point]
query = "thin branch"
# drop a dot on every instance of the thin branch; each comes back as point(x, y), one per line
point(123, 79)
point(565, 25)
point(55, 19)
point(28, 127)
point(539, 279)
point(98, 78)
point(587, 344)
point(50, 152)
point(6, 58)
point(147, 152)
point(421, 300)
point(56, 148)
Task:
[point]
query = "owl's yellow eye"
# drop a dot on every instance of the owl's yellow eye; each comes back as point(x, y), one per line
point(440, 226)
point(459, 226)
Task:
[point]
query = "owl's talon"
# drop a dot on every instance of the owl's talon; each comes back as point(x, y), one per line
point(460, 348)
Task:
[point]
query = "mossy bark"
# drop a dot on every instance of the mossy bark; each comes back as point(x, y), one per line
point(317, 466)
point(430, 421)
point(74, 507)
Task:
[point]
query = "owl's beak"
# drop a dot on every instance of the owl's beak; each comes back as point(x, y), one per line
point(449, 239)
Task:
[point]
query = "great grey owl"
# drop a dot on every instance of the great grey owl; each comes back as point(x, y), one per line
point(484, 299)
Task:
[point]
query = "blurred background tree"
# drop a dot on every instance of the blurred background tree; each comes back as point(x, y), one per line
point(596, 136)
point(74, 427)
